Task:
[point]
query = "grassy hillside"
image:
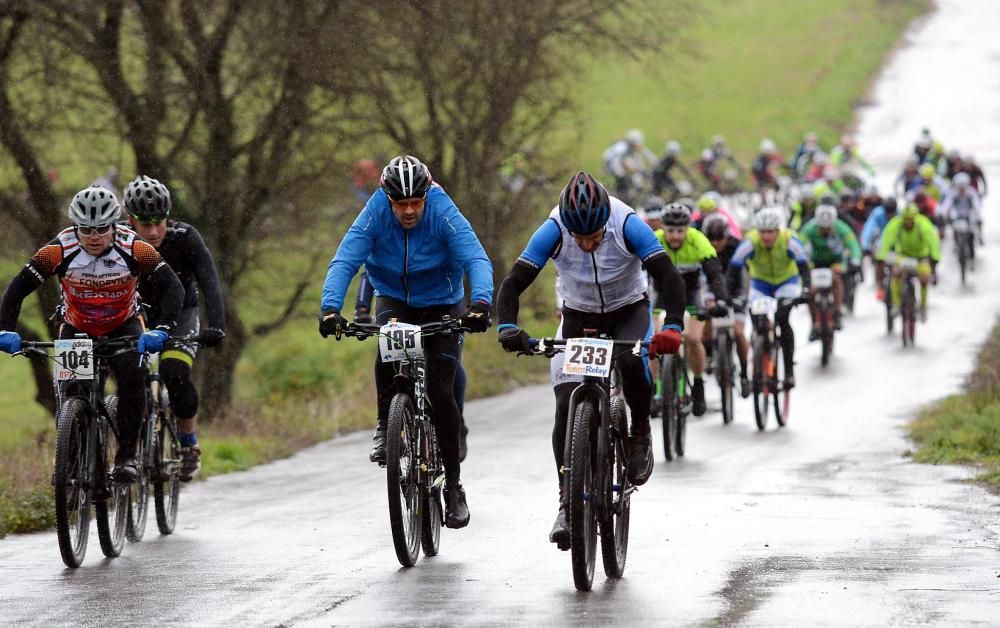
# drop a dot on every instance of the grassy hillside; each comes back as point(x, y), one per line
point(750, 68)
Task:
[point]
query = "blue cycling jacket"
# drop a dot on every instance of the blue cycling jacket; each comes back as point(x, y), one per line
point(874, 226)
point(422, 266)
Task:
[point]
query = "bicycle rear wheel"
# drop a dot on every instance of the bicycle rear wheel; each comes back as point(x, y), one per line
point(431, 510)
point(166, 484)
point(582, 514)
point(617, 507)
point(402, 480)
point(761, 382)
point(72, 490)
point(725, 374)
point(113, 510)
point(138, 491)
point(669, 404)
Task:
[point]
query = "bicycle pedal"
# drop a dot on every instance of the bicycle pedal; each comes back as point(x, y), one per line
point(564, 546)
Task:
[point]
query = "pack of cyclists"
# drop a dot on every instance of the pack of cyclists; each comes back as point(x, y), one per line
point(133, 270)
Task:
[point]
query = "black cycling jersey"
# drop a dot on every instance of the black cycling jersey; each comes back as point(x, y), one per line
point(184, 250)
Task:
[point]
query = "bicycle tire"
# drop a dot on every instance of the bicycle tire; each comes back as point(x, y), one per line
point(668, 405)
point(138, 491)
point(680, 431)
point(826, 333)
point(725, 374)
point(72, 498)
point(617, 502)
point(583, 522)
point(431, 509)
point(781, 396)
point(111, 512)
point(909, 310)
point(402, 485)
point(760, 390)
point(166, 484)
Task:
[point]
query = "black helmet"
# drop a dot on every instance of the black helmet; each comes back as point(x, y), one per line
point(890, 205)
point(715, 227)
point(147, 200)
point(676, 215)
point(584, 205)
point(406, 177)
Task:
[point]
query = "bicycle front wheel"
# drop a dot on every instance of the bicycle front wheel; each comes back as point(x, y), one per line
point(782, 396)
point(166, 484)
point(682, 390)
point(725, 374)
point(138, 491)
point(402, 480)
point(431, 510)
point(761, 381)
point(614, 524)
point(582, 514)
point(112, 508)
point(669, 403)
point(72, 488)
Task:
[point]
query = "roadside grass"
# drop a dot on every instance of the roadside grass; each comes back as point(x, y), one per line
point(965, 428)
point(754, 68)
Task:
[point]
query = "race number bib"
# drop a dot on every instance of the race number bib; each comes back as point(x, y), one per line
point(74, 359)
point(764, 305)
point(588, 356)
point(399, 341)
point(822, 278)
point(960, 225)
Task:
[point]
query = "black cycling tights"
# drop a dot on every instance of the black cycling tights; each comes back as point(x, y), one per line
point(176, 375)
point(787, 337)
point(131, 384)
point(632, 322)
point(441, 355)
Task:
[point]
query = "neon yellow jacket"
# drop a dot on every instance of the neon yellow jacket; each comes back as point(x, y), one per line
point(920, 241)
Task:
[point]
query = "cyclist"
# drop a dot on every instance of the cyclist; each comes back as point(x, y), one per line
point(806, 152)
point(929, 182)
point(692, 254)
point(828, 241)
point(779, 268)
point(962, 201)
point(766, 166)
point(911, 234)
point(663, 181)
point(846, 156)
point(802, 205)
point(721, 151)
point(716, 229)
point(627, 158)
point(970, 166)
point(148, 204)
point(907, 177)
point(99, 264)
point(599, 247)
point(709, 205)
point(870, 235)
point(416, 245)
point(363, 314)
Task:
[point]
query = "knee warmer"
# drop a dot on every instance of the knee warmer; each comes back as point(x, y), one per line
point(176, 376)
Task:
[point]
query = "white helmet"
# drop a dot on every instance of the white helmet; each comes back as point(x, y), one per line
point(674, 147)
point(826, 215)
point(707, 155)
point(634, 137)
point(962, 179)
point(767, 146)
point(718, 140)
point(769, 218)
point(94, 207)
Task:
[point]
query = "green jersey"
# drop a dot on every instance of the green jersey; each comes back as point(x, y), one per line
point(830, 248)
point(920, 241)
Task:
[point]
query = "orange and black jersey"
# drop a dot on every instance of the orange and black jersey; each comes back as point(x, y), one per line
point(184, 250)
point(99, 292)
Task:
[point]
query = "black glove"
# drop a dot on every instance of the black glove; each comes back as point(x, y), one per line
point(211, 337)
point(719, 310)
point(362, 315)
point(477, 317)
point(331, 323)
point(514, 340)
point(804, 297)
point(739, 304)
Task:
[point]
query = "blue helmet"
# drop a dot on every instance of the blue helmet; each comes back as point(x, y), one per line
point(584, 206)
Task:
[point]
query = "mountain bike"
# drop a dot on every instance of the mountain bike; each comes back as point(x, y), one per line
point(596, 490)
point(414, 468)
point(158, 450)
point(725, 367)
point(86, 444)
point(822, 283)
point(768, 371)
point(909, 291)
point(964, 245)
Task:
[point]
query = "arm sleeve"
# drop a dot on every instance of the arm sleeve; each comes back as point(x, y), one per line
point(640, 238)
point(354, 249)
point(468, 250)
point(743, 253)
point(713, 270)
point(39, 268)
point(868, 231)
point(163, 282)
point(671, 286)
point(847, 235)
point(543, 245)
point(508, 296)
point(933, 241)
point(797, 251)
point(888, 238)
point(208, 280)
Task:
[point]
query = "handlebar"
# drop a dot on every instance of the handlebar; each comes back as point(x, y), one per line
point(446, 326)
point(549, 346)
point(115, 346)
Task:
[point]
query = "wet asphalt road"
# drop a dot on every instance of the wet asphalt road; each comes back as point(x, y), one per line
point(823, 522)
